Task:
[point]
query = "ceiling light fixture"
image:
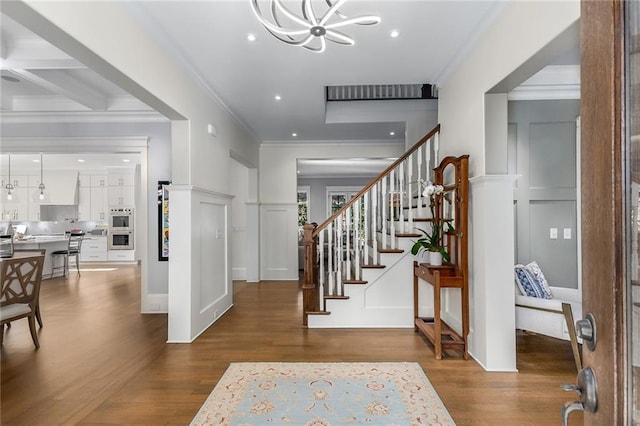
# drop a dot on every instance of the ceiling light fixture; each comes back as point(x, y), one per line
point(309, 30)
point(394, 34)
point(277, 97)
point(251, 37)
point(80, 160)
point(294, 134)
point(41, 194)
point(392, 133)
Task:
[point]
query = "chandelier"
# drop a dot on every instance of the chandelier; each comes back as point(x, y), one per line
point(309, 30)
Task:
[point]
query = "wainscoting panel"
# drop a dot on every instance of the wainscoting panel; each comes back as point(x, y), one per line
point(279, 240)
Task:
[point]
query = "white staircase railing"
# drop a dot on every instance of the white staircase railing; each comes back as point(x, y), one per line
point(367, 225)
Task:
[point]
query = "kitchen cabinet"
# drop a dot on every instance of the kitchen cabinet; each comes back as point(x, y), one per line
point(99, 204)
point(121, 255)
point(98, 180)
point(18, 181)
point(121, 179)
point(94, 249)
point(84, 181)
point(84, 202)
point(122, 196)
point(121, 188)
point(17, 208)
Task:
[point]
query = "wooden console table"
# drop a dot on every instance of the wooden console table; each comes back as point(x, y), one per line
point(450, 207)
point(435, 329)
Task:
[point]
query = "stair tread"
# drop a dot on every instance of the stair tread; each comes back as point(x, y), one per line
point(354, 282)
point(389, 250)
point(336, 297)
point(373, 266)
point(318, 313)
point(408, 235)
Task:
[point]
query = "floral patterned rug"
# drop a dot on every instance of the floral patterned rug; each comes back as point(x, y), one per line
point(319, 394)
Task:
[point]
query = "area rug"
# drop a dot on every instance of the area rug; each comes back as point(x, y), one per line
point(319, 394)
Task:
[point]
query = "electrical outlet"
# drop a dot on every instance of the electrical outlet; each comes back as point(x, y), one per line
point(553, 233)
point(567, 233)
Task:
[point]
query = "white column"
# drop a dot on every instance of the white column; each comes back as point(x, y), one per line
point(492, 341)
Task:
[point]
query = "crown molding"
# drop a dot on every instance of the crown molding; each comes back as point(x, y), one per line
point(7, 117)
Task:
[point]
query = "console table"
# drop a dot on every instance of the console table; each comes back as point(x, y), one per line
point(452, 207)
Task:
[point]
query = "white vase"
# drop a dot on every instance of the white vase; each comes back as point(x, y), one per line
point(435, 258)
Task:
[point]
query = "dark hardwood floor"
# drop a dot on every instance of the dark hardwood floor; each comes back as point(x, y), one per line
point(102, 362)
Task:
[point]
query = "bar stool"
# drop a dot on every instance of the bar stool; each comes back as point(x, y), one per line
point(74, 245)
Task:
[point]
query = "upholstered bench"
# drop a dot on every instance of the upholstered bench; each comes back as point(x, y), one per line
point(554, 317)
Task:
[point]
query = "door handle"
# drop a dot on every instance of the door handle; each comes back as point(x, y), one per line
point(587, 389)
point(586, 329)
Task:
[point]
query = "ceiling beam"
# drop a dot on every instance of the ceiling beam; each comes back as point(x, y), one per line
point(61, 83)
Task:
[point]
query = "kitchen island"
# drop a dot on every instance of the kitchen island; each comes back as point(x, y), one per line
point(50, 243)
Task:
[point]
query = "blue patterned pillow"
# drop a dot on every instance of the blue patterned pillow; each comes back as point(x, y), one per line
point(535, 270)
point(528, 284)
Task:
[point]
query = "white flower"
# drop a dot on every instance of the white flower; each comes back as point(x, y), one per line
point(432, 189)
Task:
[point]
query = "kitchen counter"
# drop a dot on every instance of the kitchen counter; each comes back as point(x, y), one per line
point(50, 243)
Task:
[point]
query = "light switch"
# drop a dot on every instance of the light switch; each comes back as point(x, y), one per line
point(553, 233)
point(567, 233)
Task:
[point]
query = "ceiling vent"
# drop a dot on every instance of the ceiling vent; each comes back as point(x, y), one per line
point(381, 92)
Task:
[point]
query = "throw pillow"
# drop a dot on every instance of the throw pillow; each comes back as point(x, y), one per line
point(527, 283)
point(535, 270)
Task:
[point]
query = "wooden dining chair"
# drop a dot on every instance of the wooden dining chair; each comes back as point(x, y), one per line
point(74, 245)
point(20, 279)
point(44, 253)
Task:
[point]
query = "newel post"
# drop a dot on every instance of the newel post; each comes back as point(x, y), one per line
point(309, 284)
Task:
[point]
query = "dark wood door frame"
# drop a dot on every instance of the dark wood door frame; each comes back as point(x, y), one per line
point(603, 203)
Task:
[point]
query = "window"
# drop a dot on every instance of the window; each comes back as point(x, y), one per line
point(303, 205)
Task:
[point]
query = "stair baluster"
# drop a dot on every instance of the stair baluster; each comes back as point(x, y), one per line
point(352, 237)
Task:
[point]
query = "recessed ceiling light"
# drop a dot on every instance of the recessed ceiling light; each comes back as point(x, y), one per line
point(394, 34)
point(277, 97)
point(251, 37)
point(36, 161)
point(392, 133)
point(294, 134)
point(80, 160)
point(125, 160)
point(298, 171)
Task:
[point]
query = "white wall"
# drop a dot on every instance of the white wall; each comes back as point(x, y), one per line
point(520, 31)
point(132, 59)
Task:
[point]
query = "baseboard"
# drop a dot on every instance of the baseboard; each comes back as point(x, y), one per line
point(239, 274)
point(155, 303)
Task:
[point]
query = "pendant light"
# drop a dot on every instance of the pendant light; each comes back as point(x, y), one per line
point(41, 195)
point(11, 195)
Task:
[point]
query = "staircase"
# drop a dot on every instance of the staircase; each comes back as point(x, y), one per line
point(358, 265)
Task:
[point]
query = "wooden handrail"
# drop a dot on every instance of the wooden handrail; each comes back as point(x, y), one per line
point(377, 179)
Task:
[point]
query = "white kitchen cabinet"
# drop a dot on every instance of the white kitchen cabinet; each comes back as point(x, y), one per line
point(121, 179)
point(121, 188)
point(98, 180)
point(34, 208)
point(18, 208)
point(122, 196)
point(99, 203)
point(94, 249)
point(84, 203)
point(121, 255)
point(18, 181)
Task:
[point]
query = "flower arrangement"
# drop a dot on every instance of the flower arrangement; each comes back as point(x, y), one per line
point(432, 241)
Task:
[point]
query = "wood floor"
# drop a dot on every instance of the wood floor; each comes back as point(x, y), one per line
point(102, 362)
